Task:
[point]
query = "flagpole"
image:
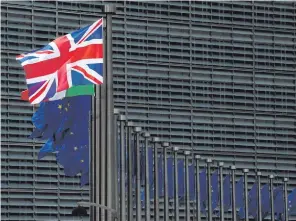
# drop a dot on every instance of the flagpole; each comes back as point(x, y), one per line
point(147, 178)
point(221, 189)
point(137, 131)
point(130, 163)
point(176, 186)
point(233, 193)
point(122, 119)
point(271, 196)
point(95, 154)
point(197, 187)
point(246, 194)
point(155, 141)
point(116, 157)
point(209, 188)
point(165, 146)
point(259, 211)
point(92, 158)
point(286, 200)
point(105, 159)
point(187, 205)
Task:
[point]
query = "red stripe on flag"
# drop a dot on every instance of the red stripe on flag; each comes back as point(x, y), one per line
point(62, 79)
point(87, 75)
point(91, 31)
point(44, 52)
point(25, 95)
point(20, 56)
point(42, 89)
point(94, 51)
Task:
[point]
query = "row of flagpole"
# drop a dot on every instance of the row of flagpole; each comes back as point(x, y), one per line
point(127, 131)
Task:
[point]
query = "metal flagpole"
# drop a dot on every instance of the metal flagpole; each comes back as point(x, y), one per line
point(155, 140)
point(137, 131)
point(246, 194)
point(286, 199)
point(147, 178)
point(221, 164)
point(187, 153)
point(95, 165)
point(122, 120)
point(259, 196)
point(92, 161)
point(233, 193)
point(209, 188)
point(165, 145)
point(116, 169)
point(197, 187)
point(105, 144)
point(130, 172)
point(271, 196)
point(176, 186)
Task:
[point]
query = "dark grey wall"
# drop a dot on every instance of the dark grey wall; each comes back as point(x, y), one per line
point(219, 78)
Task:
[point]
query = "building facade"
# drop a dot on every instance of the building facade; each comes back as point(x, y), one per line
point(218, 78)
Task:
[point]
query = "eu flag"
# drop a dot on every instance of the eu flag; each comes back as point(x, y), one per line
point(55, 117)
point(252, 202)
point(181, 178)
point(151, 178)
point(171, 185)
point(265, 200)
point(215, 190)
point(160, 174)
point(73, 153)
point(279, 201)
point(227, 193)
point(292, 203)
point(191, 182)
point(65, 123)
point(142, 163)
point(203, 191)
point(239, 193)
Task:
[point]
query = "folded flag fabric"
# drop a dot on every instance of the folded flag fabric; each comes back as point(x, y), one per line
point(292, 203)
point(204, 192)
point(265, 200)
point(73, 153)
point(65, 123)
point(52, 119)
point(215, 190)
point(252, 203)
point(70, 60)
point(71, 92)
point(239, 193)
point(227, 193)
point(253, 200)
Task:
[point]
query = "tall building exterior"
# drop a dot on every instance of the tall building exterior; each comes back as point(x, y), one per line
point(218, 78)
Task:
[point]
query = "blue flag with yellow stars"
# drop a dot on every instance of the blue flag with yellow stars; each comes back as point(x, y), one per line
point(65, 125)
point(53, 117)
point(227, 193)
point(292, 203)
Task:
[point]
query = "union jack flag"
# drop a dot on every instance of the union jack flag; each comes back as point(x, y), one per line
point(70, 60)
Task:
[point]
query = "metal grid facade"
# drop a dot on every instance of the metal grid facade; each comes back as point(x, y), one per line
point(215, 77)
